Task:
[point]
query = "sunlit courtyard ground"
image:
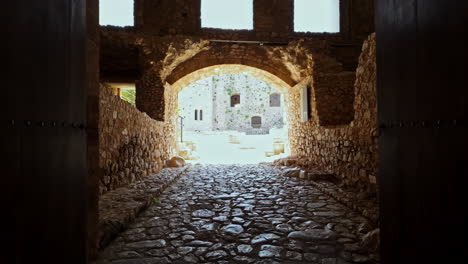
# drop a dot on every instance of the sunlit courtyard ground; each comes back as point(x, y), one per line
point(231, 147)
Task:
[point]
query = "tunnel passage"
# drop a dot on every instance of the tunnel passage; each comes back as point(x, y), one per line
point(157, 78)
point(337, 115)
point(339, 137)
point(226, 135)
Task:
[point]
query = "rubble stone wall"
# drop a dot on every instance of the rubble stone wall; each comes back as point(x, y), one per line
point(132, 145)
point(348, 151)
point(289, 63)
point(166, 21)
point(334, 97)
point(212, 95)
point(168, 43)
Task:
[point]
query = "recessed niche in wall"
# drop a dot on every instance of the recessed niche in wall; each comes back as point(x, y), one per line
point(256, 122)
point(275, 100)
point(317, 16)
point(305, 104)
point(116, 13)
point(227, 14)
point(235, 99)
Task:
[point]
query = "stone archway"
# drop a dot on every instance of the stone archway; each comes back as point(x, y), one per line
point(170, 66)
point(172, 91)
point(251, 56)
point(209, 71)
point(291, 64)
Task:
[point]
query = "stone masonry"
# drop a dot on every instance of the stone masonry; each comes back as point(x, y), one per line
point(243, 214)
point(332, 140)
point(167, 48)
point(132, 145)
point(213, 96)
point(349, 151)
point(161, 56)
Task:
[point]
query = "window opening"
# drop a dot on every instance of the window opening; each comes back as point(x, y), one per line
point(227, 14)
point(116, 13)
point(275, 100)
point(317, 16)
point(235, 99)
point(256, 122)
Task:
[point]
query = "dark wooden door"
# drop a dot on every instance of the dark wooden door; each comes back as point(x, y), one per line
point(43, 131)
point(422, 100)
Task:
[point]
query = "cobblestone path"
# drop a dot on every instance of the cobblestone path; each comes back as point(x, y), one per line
point(241, 214)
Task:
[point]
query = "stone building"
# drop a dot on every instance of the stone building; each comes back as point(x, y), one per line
point(376, 113)
point(231, 102)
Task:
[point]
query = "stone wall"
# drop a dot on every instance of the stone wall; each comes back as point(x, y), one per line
point(273, 21)
point(157, 53)
point(330, 140)
point(348, 151)
point(334, 97)
point(213, 96)
point(290, 64)
point(254, 101)
point(167, 21)
point(197, 97)
point(132, 145)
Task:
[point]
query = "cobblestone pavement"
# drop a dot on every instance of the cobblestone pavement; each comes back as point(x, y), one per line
point(241, 214)
point(119, 208)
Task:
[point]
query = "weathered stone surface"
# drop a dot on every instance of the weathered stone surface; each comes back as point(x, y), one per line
point(289, 161)
point(158, 252)
point(372, 240)
point(185, 250)
point(350, 150)
point(334, 96)
point(238, 220)
point(129, 254)
point(233, 229)
point(166, 48)
point(283, 228)
point(132, 146)
point(203, 213)
point(143, 261)
point(312, 235)
point(243, 259)
point(244, 249)
point(118, 208)
point(293, 172)
point(316, 205)
point(312, 257)
point(224, 196)
point(294, 255)
point(215, 255)
point(160, 243)
point(182, 211)
point(221, 218)
point(263, 238)
point(269, 251)
point(198, 243)
point(176, 162)
point(328, 214)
